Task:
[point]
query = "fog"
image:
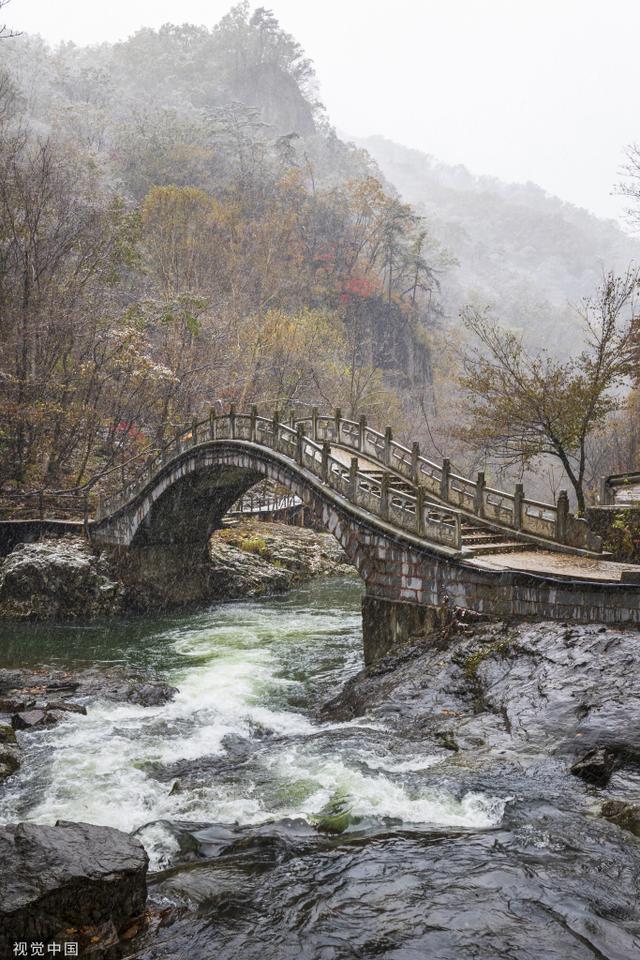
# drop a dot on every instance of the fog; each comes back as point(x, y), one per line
point(540, 91)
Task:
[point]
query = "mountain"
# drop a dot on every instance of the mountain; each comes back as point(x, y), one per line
point(527, 254)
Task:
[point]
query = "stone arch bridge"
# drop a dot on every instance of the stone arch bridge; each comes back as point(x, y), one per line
point(420, 536)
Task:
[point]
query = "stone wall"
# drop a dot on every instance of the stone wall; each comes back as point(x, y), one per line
point(619, 527)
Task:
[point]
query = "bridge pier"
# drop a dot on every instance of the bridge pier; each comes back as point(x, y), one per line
point(164, 575)
point(388, 624)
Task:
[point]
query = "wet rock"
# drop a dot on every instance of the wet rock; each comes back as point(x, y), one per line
point(625, 815)
point(57, 580)
point(109, 684)
point(67, 578)
point(71, 875)
point(529, 689)
point(31, 719)
point(9, 761)
point(254, 557)
point(66, 707)
point(148, 694)
point(65, 685)
point(238, 573)
point(178, 838)
point(596, 766)
point(551, 889)
point(13, 705)
point(7, 733)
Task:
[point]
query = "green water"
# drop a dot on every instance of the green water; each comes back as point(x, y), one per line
point(240, 743)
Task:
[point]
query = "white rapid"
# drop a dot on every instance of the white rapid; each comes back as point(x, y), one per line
point(239, 742)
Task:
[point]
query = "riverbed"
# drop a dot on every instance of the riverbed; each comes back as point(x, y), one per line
point(275, 834)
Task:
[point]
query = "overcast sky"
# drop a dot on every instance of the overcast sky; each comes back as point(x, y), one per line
point(542, 90)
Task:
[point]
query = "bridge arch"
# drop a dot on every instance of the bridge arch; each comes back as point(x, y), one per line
point(185, 502)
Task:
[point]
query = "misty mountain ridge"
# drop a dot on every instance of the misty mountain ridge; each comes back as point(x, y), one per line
point(529, 255)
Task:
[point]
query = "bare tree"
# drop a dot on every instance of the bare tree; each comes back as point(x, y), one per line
point(5, 31)
point(522, 407)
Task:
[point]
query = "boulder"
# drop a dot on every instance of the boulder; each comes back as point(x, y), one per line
point(236, 573)
point(57, 579)
point(67, 876)
point(30, 719)
point(298, 551)
point(14, 705)
point(149, 694)
point(65, 707)
point(596, 766)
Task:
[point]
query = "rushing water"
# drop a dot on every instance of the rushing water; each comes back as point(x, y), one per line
point(248, 674)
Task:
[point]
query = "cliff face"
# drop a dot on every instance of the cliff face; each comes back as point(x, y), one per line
point(276, 96)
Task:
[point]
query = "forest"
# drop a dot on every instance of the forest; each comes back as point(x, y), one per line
point(181, 228)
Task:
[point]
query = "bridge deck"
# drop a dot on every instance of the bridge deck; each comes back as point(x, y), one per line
point(558, 565)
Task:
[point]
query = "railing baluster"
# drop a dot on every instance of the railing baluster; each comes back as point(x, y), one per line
point(478, 503)
point(324, 469)
point(518, 498)
point(562, 516)
point(353, 478)
point(444, 479)
point(384, 497)
point(388, 437)
point(299, 442)
point(415, 459)
point(362, 429)
point(420, 511)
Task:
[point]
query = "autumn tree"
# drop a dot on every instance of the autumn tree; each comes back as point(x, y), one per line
point(521, 407)
point(62, 246)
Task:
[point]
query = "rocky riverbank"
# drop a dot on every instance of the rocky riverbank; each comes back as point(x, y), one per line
point(560, 699)
point(76, 885)
point(68, 578)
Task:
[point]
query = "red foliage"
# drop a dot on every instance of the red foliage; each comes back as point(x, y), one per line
point(358, 287)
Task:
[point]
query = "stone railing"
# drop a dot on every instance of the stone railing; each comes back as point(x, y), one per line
point(620, 488)
point(409, 512)
point(41, 504)
point(265, 498)
point(547, 521)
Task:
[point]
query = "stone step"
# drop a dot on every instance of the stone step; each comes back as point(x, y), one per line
point(504, 546)
point(486, 537)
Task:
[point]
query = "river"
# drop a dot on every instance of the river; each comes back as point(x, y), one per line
point(237, 791)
